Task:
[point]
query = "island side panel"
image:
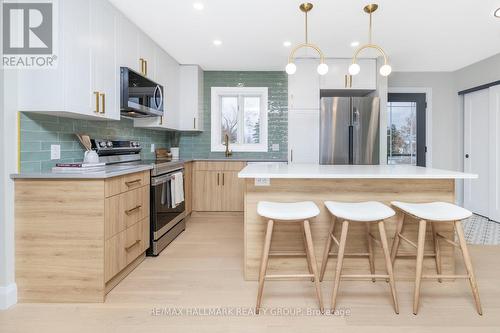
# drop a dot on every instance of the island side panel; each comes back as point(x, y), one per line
point(59, 240)
point(288, 237)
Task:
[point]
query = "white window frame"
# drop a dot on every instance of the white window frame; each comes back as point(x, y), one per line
point(216, 94)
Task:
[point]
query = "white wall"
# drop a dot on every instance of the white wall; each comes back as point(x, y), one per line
point(8, 161)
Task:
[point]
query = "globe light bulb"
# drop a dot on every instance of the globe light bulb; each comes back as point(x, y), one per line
point(385, 70)
point(322, 69)
point(354, 69)
point(291, 68)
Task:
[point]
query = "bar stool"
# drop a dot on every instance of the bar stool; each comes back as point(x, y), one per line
point(434, 212)
point(297, 212)
point(359, 212)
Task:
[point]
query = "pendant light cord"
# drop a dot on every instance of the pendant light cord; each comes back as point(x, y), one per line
point(307, 37)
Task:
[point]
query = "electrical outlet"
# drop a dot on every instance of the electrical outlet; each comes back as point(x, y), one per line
point(55, 152)
point(152, 147)
point(262, 181)
point(275, 147)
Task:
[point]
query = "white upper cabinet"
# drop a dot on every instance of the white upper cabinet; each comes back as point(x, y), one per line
point(84, 83)
point(146, 61)
point(303, 136)
point(191, 98)
point(303, 86)
point(127, 44)
point(167, 74)
point(338, 69)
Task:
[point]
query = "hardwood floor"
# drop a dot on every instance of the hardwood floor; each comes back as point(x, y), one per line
point(203, 269)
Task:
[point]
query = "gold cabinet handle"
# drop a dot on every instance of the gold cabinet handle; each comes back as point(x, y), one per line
point(194, 123)
point(222, 179)
point(132, 182)
point(145, 68)
point(217, 179)
point(130, 211)
point(103, 103)
point(132, 245)
point(96, 94)
point(161, 120)
point(142, 65)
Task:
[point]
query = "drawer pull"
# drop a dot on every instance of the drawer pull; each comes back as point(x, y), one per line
point(132, 182)
point(130, 211)
point(132, 245)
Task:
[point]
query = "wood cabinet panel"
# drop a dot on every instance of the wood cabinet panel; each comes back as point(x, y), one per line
point(135, 180)
point(207, 191)
point(188, 187)
point(134, 243)
point(232, 192)
point(219, 166)
point(114, 223)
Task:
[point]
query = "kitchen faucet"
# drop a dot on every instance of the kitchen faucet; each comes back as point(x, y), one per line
point(226, 143)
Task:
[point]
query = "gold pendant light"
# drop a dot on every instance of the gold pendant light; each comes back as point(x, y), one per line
point(354, 68)
point(291, 68)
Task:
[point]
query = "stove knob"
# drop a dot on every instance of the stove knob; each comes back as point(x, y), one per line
point(136, 144)
point(102, 144)
point(109, 144)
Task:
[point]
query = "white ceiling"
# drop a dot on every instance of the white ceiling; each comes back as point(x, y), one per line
point(423, 35)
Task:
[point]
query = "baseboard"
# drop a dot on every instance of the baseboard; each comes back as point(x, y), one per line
point(8, 296)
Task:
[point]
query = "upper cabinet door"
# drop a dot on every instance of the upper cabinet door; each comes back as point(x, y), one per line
point(105, 75)
point(146, 59)
point(127, 48)
point(303, 136)
point(191, 98)
point(303, 86)
point(338, 69)
point(167, 74)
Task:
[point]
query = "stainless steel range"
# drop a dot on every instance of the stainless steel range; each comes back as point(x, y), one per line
point(167, 207)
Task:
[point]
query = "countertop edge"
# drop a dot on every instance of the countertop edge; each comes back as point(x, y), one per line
point(299, 176)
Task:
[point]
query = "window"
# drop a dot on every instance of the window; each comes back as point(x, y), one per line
point(402, 133)
point(241, 114)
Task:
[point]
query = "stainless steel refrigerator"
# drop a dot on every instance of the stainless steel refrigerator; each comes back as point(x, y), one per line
point(349, 130)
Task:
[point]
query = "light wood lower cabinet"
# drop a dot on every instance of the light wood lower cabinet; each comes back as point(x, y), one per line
point(77, 238)
point(188, 187)
point(216, 186)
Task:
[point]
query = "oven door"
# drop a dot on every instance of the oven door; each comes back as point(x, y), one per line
point(164, 215)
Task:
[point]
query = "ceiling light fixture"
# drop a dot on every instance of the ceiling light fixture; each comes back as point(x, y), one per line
point(322, 67)
point(217, 42)
point(198, 6)
point(497, 13)
point(287, 44)
point(354, 69)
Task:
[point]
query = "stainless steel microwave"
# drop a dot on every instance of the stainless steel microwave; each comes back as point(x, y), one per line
point(139, 96)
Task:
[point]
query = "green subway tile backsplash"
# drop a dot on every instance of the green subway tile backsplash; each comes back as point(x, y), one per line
point(197, 145)
point(39, 132)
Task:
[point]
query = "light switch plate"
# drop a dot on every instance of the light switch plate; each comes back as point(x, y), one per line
point(152, 147)
point(262, 181)
point(55, 152)
point(275, 147)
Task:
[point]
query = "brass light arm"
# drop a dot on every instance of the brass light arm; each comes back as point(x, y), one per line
point(291, 57)
point(369, 46)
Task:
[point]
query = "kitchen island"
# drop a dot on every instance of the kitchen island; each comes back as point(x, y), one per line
point(350, 183)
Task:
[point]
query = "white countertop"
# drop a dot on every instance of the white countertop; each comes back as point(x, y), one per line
point(316, 171)
point(108, 172)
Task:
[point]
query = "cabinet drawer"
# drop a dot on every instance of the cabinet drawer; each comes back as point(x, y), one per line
point(137, 240)
point(124, 210)
point(135, 205)
point(219, 166)
point(117, 185)
point(115, 258)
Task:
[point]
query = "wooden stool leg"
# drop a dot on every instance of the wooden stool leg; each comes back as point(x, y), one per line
point(371, 258)
point(468, 265)
point(314, 264)
point(306, 249)
point(340, 259)
point(396, 240)
point(263, 263)
point(328, 248)
point(437, 250)
point(420, 262)
point(388, 265)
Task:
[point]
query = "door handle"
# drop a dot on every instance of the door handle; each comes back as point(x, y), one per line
point(291, 155)
point(130, 211)
point(466, 155)
point(194, 123)
point(222, 179)
point(145, 68)
point(96, 93)
point(103, 102)
point(217, 179)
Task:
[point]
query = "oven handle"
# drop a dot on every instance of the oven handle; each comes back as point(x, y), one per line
point(162, 179)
